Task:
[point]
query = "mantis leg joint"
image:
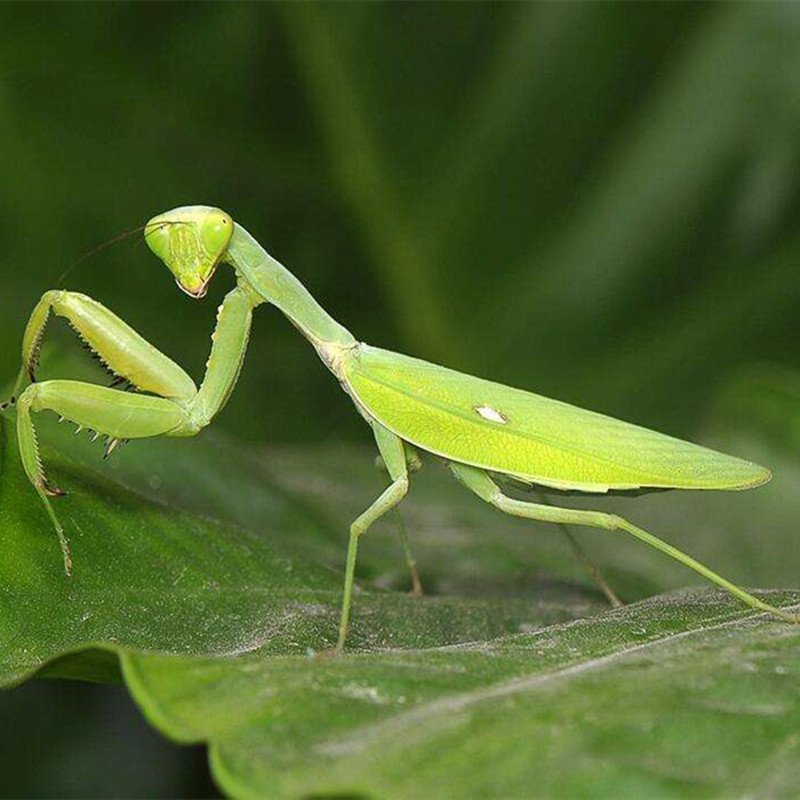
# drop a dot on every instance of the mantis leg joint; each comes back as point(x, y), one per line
point(391, 497)
point(613, 522)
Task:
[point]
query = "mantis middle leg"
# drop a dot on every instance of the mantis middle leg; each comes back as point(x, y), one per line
point(413, 464)
point(478, 481)
point(393, 454)
point(587, 562)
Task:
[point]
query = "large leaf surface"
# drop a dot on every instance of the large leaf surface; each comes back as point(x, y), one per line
point(639, 229)
point(150, 577)
point(212, 601)
point(670, 698)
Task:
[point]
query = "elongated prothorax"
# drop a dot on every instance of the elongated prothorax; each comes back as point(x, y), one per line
point(275, 284)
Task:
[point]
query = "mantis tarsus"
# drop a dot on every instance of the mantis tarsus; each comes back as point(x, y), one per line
point(479, 428)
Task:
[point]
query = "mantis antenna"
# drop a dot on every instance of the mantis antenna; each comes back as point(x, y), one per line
point(121, 237)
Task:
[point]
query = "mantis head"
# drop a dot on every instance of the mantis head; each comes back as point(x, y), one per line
point(191, 241)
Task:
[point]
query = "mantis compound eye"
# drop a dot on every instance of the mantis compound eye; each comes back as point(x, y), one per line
point(215, 232)
point(191, 241)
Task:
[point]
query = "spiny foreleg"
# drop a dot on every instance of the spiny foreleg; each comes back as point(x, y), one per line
point(115, 414)
point(180, 410)
point(123, 351)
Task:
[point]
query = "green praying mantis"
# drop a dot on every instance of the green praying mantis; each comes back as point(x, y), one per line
point(484, 431)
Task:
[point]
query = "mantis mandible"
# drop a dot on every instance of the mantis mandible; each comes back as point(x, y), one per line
point(480, 429)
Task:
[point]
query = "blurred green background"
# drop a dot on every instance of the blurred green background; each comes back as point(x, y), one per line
point(597, 202)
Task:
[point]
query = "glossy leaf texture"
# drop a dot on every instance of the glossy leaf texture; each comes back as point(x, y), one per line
point(195, 571)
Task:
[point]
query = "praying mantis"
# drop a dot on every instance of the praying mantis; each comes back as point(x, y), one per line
point(486, 433)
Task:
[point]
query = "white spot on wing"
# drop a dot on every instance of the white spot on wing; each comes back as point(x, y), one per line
point(487, 412)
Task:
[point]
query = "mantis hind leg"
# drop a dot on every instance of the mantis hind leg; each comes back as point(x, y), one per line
point(481, 484)
point(392, 452)
point(115, 414)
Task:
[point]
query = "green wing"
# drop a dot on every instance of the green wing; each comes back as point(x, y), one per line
point(505, 430)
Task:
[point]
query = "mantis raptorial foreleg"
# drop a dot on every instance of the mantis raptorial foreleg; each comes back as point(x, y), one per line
point(481, 484)
point(393, 454)
point(125, 352)
point(175, 408)
point(112, 413)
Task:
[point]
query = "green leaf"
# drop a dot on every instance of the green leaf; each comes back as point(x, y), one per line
point(195, 570)
point(672, 698)
point(152, 577)
point(616, 229)
point(145, 575)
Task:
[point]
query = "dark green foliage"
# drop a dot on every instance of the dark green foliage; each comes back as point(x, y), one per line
point(597, 202)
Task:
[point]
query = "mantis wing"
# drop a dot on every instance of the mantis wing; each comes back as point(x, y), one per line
point(544, 441)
